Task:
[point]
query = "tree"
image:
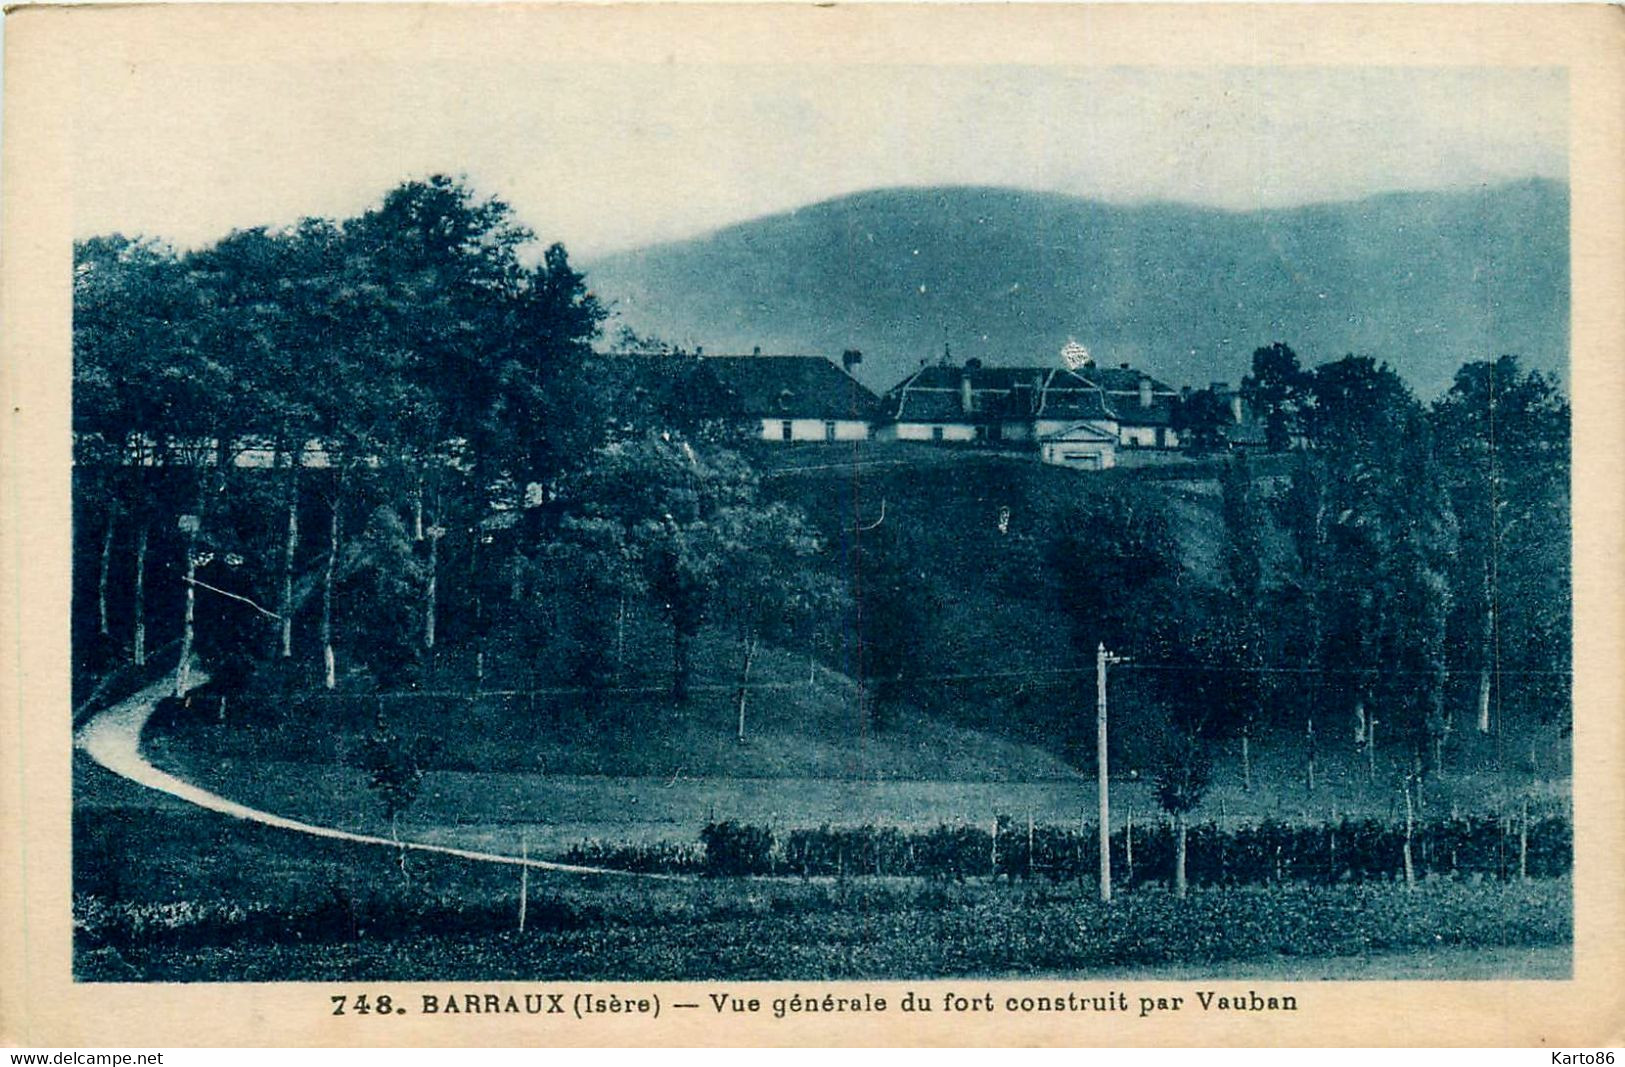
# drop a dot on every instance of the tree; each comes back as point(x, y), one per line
point(1503, 439)
point(395, 768)
point(1357, 416)
point(667, 496)
point(1201, 418)
point(1304, 512)
point(1184, 773)
point(498, 345)
point(138, 376)
point(1277, 391)
point(1385, 533)
point(1241, 625)
point(771, 584)
point(1117, 571)
point(894, 618)
point(380, 581)
point(278, 302)
point(1415, 610)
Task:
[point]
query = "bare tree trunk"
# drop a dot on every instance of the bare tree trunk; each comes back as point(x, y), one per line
point(479, 606)
point(289, 546)
point(1180, 850)
point(1311, 747)
point(1484, 699)
point(183, 670)
point(417, 511)
point(748, 654)
point(1410, 828)
point(679, 664)
point(141, 596)
point(101, 579)
point(620, 639)
point(430, 593)
point(1246, 762)
point(329, 666)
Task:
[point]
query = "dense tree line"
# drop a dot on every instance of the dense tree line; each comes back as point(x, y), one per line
point(1425, 592)
point(346, 451)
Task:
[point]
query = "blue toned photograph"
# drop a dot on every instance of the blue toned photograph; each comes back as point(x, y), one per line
point(697, 521)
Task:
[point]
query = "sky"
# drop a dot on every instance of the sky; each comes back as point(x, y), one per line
point(606, 157)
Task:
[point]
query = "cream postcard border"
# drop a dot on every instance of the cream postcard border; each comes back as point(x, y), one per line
point(39, 1002)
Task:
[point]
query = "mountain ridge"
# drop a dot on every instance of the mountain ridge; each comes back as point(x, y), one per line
point(1423, 280)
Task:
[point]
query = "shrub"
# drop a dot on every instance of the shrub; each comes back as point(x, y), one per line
point(734, 849)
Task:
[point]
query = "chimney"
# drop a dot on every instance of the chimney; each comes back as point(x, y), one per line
point(1024, 398)
point(965, 399)
point(850, 358)
point(756, 350)
point(1145, 391)
point(699, 350)
point(1122, 366)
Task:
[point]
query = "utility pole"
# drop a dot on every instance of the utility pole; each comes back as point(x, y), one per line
point(1102, 658)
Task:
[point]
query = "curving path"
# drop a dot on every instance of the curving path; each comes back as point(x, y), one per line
point(113, 739)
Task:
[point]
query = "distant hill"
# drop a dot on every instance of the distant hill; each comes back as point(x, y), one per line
point(1422, 280)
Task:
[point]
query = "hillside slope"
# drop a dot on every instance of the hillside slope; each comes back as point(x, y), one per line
point(1423, 280)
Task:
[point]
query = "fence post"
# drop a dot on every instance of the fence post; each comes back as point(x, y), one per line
point(524, 877)
point(1029, 844)
point(1083, 832)
point(995, 851)
point(1410, 869)
point(1523, 843)
point(1128, 849)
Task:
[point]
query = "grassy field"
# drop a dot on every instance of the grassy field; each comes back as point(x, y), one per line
point(167, 893)
point(554, 810)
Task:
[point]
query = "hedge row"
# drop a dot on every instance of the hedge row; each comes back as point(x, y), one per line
point(1269, 852)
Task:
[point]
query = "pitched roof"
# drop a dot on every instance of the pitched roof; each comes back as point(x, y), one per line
point(807, 387)
point(1124, 380)
point(937, 394)
point(1130, 412)
point(1081, 431)
point(1069, 395)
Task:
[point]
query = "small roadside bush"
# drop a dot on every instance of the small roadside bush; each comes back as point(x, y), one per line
point(734, 849)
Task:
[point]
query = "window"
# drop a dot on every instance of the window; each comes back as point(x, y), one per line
point(936, 433)
point(981, 432)
point(829, 430)
point(785, 430)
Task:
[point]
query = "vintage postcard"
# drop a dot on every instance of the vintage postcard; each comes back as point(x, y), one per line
point(901, 525)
